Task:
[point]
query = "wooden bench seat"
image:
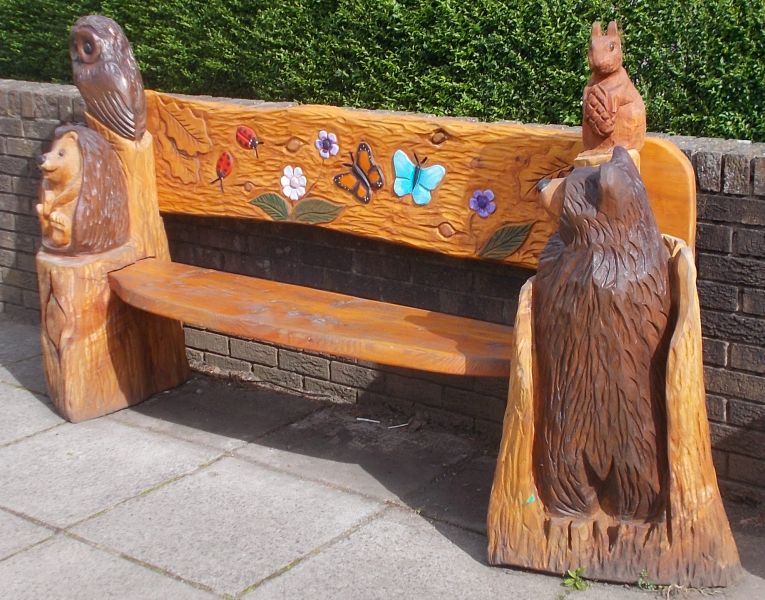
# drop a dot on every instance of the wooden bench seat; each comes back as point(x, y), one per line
point(316, 320)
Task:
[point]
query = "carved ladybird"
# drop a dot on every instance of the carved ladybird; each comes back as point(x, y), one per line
point(223, 168)
point(247, 138)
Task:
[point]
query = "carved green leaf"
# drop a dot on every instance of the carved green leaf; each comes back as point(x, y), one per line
point(273, 205)
point(505, 241)
point(316, 210)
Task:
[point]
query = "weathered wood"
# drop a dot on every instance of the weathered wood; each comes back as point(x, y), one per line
point(99, 354)
point(316, 320)
point(691, 545)
point(205, 166)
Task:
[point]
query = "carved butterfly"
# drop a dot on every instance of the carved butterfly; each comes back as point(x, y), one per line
point(415, 179)
point(363, 177)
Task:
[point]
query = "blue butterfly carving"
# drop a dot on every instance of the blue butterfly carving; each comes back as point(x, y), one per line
point(415, 179)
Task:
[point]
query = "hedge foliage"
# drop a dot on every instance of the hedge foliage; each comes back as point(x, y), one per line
point(700, 64)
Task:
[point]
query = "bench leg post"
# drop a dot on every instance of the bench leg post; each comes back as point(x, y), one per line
point(99, 354)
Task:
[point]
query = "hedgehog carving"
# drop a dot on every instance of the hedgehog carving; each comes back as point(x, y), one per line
point(602, 289)
point(107, 76)
point(83, 199)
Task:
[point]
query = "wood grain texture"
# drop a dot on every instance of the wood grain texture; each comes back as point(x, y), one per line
point(691, 545)
point(509, 159)
point(316, 320)
point(99, 354)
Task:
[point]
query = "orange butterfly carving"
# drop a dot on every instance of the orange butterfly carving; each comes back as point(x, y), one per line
point(365, 175)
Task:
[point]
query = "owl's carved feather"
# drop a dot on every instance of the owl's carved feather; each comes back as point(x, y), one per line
point(107, 75)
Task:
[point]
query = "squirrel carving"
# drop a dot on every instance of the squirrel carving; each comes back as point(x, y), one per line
point(613, 112)
point(83, 205)
point(602, 300)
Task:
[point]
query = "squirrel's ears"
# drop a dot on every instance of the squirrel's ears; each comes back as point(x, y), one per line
point(613, 29)
point(596, 29)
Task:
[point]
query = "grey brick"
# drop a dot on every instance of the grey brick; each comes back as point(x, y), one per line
point(26, 186)
point(195, 356)
point(21, 279)
point(209, 258)
point(468, 305)
point(276, 376)
point(734, 383)
point(746, 414)
point(716, 407)
point(381, 265)
point(338, 258)
point(759, 176)
point(205, 340)
point(28, 224)
point(474, 404)
point(10, 126)
point(717, 238)
point(753, 302)
point(13, 203)
point(305, 364)
point(10, 294)
point(738, 210)
point(13, 165)
point(356, 376)
point(731, 269)
point(25, 262)
point(336, 392)
point(708, 167)
point(7, 258)
point(6, 183)
point(40, 129)
point(7, 220)
point(731, 438)
point(736, 174)
point(409, 388)
point(10, 102)
point(720, 460)
point(750, 242)
point(12, 240)
point(734, 327)
point(747, 358)
point(435, 275)
point(226, 363)
point(492, 386)
point(746, 468)
point(78, 109)
point(24, 148)
point(30, 299)
point(717, 295)
point(715, 352)
point(253, 352)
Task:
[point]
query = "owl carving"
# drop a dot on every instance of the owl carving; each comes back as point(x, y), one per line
point(107, 75)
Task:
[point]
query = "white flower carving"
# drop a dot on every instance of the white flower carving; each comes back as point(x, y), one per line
point(293, 182)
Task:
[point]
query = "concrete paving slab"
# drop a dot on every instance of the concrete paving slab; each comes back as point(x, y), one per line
point(461, 496)
point(17, 533)
point(64, 569)
point(402, 555)
point(229, 525)
point(217, 413)
point(333, 447)
point(24, 413)
point(73, 471)
point(18, 341)
point(26, 373)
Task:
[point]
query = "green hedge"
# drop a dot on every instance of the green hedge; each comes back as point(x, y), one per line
point(700, 65)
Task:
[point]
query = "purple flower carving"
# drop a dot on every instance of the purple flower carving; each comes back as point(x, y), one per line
point(327, 144)
point(482, 202)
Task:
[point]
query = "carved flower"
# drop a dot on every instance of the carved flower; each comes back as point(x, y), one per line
point(327, 144)
point(482, 202)
point(293, 182)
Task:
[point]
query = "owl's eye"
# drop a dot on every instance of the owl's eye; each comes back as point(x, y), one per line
point(87, 48)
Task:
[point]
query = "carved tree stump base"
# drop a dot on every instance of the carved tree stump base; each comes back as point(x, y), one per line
point(593, 158)
point(692, 544)
point(101, 355)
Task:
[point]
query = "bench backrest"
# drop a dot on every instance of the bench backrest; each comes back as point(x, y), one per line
point(248, 147)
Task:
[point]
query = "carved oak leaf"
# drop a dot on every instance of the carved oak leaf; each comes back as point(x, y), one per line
point(188, 131)
point(181, 167)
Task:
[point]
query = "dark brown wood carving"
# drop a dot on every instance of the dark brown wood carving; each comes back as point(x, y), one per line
point(83, 206)
point(107, 75)
point(613, 112)
point(603, 289)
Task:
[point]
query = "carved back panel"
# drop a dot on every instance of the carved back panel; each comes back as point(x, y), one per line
point(426, 185)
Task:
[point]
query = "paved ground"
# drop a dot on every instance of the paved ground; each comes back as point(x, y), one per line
point(214, 490)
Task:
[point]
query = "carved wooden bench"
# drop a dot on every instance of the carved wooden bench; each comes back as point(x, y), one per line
point(113, 301)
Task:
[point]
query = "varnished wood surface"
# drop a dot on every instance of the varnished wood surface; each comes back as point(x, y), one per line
point(691, 545)
point(191, 136)
point(316, 320)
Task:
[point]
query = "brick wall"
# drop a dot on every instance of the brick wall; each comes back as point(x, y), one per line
point(730, 252)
